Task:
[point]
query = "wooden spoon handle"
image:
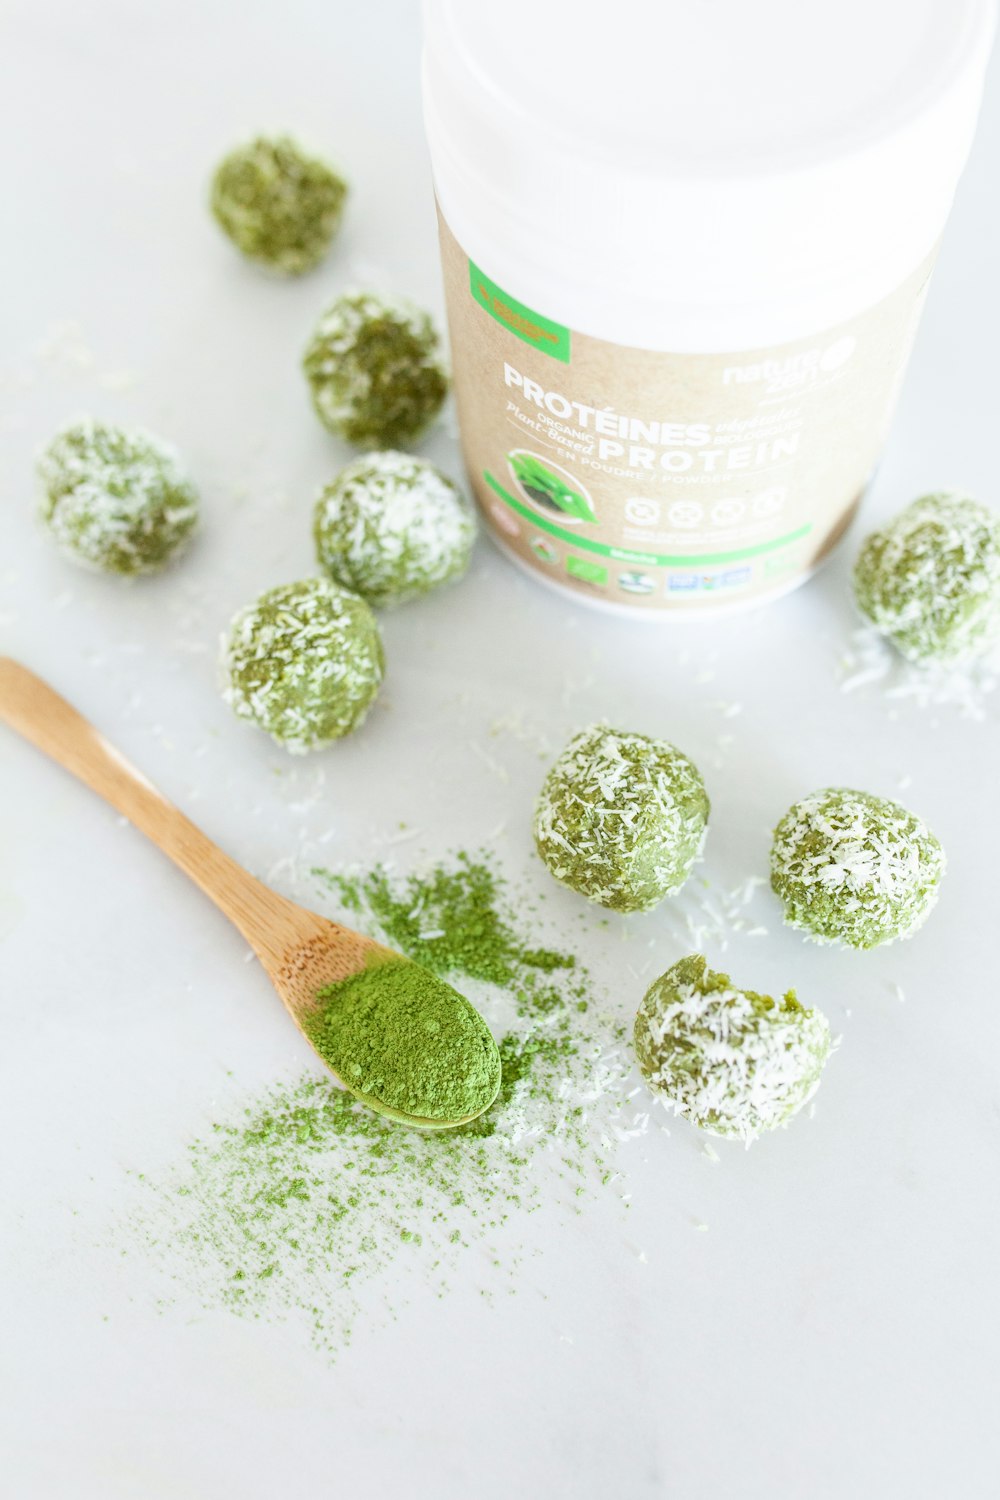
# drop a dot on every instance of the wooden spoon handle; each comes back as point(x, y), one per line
point(38, 713)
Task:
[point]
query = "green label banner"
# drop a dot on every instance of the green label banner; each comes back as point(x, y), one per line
point(527, 325)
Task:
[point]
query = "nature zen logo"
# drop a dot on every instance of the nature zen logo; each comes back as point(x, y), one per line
point(793, 371)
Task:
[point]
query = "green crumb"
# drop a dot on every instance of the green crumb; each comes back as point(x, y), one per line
point(929, 579)
point(621, 818)
point(116, 500)
point(452, 919)
point(732, 1061)
point(305, 1205)
point(393, 527)
point(853, 868)
point(304, 662)
point(375, 370)
point(398, 1035)
point(280, 206)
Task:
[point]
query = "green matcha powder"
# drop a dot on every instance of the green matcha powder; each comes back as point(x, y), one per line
point(306, 1206)
point(401, 1037)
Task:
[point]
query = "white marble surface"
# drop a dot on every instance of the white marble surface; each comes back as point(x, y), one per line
point(833, 1333)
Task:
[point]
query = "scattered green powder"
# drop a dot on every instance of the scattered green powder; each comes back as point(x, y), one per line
point(451, 919)
point(398, 1034)
point(307, 1206)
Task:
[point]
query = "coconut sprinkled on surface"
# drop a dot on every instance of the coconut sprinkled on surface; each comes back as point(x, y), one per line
point(65, 349)
point(929, 579)
point(621, 818)
point(733, 1062)
point(710, 915)
point(854, 868)
point(116, 500)
point(392, 527)
point(304, 662)
point(375, 370)
point(870, 661)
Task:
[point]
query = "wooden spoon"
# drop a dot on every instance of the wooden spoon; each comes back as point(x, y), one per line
point(300, 951)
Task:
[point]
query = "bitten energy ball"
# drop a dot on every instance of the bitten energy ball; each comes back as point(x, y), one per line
point(731, 1061)
point(855, 869)
point(930, 578)
point(304, 662)
point(621, 818)
point(278, 205)
point(391, 527)
point(375, 371)
point(116, 500)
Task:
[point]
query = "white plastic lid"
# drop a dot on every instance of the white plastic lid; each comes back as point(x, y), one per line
point(775, 152)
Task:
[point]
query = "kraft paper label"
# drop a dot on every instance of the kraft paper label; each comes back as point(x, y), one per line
point(668, 481)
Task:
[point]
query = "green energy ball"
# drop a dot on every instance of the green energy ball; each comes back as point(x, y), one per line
point(621, 818)
point(116, 500)
point(304, 662)
point(391, 527)
point(930, 578)
point(375, 370)
point(855, 869)
point(731, 1061)
point(278, 205)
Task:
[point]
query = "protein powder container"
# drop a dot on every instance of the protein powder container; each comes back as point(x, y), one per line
point(685, 245)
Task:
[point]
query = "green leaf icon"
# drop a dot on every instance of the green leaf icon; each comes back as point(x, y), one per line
point(547, 488)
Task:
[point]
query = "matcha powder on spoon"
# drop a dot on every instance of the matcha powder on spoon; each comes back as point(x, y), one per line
point(399, 1035)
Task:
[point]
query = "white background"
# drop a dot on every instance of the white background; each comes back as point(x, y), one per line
point(833, 1334)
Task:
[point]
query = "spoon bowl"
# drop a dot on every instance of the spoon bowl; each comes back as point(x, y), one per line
point(301, 952)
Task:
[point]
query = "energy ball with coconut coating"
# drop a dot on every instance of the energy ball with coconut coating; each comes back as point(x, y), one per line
point(930, 579)
point(731, 1061)
point(117, 500)
point(375, 370)
point(621, 818)
point(280, 206)
point(391, 527)
point(855, 869)
point(304, 662)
